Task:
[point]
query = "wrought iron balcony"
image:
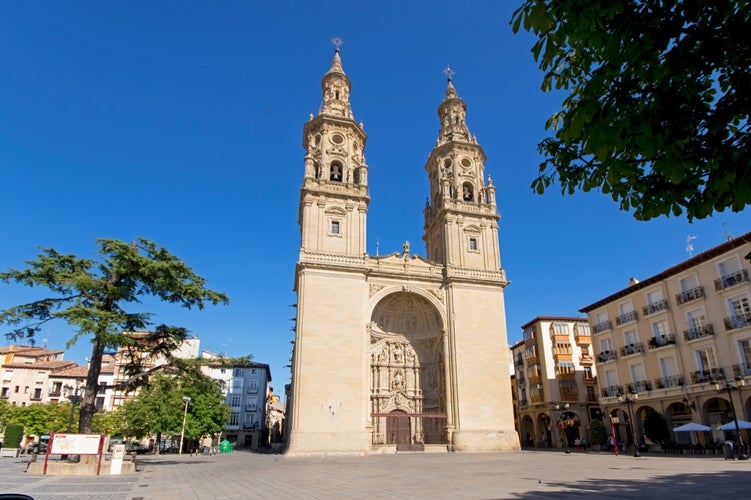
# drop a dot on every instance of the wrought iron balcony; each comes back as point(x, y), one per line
point(738, 321)
point(519, 360)
point(701, 376)
point(698, 332)
point(603, 326)
point(690, 295)
point(639, 386)
point(661, 341)
point(612, 391)
point(670, 381)
point(607, 356)
point(520, 378)
point(729, 280)
point(660, 305)
point(522, 402)
point(628, 317)
point(630, 349)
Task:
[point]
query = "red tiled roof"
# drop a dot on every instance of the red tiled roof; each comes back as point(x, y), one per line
point(42, 365)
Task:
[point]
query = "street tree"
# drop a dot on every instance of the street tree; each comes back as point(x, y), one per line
point(158, 408)
point(94, 297)
point(658, 101)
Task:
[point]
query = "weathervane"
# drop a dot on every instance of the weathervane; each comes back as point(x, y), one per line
point(338, 42)
point(448, 72)
point(689, 245)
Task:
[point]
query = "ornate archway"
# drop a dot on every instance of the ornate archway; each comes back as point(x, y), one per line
point(407, 370)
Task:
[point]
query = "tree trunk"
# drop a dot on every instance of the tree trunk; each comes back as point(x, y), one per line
point(88, 403)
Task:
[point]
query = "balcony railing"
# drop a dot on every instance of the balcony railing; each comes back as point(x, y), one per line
point(537, 399)
point(661, 341)
point(660, 305)
point(607, 356)
point(582, 338)
point(519, 360)
point(698, 332)
point(520, 378)
point(603, 326)
point(589, 379)
point(586, 360)
point(612, 391)
point(702, 376)
point(742, 370)
point(690, 295)
point(640, 386)
point(729, 280)
point(670, 381)
point(630, 349)
point(535, 379)
point(738, 321)
point(522, 402)
point(532, 359)
point(626, 318)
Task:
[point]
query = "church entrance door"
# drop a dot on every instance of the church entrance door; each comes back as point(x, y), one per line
point(398, 429)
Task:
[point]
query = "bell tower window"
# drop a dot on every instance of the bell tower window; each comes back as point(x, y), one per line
point(468, 192)
point(335, 173)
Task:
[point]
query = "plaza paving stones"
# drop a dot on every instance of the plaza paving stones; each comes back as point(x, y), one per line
point(522, 475)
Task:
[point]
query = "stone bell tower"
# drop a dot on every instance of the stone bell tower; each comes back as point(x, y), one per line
point(461, 233)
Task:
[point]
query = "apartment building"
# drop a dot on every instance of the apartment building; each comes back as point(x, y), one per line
point(246, 389)
point(661, 344)
point(25, 373)
point(555, 381)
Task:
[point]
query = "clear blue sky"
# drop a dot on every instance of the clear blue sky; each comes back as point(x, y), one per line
point(182, 122)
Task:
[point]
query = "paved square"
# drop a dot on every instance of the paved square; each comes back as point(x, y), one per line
point(524, 474)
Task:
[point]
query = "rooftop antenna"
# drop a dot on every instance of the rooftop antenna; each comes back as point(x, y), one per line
point(689, 245)
point(725, 232)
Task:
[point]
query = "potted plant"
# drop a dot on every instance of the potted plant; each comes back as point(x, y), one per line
point(12, 444)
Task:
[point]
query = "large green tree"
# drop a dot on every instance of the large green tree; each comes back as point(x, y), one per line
point(658, 104)
point(158, 408)
point(94, 296)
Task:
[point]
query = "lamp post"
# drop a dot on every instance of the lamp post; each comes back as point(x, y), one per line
point(74, 399)
point(629, 399)
point(739, 382)
point(561, 407)
point(186, 400)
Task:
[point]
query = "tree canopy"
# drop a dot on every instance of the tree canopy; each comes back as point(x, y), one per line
point(94, 297)
point(658, 104)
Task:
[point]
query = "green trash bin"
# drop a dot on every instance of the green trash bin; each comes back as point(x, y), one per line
point(225, 447)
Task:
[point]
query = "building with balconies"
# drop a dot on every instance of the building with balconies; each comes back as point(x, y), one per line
point(555, 380)
point(670, 337)
point(245, 388)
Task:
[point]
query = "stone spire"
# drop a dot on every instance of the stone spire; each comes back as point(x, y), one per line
point(452, 113)
point(336, 88)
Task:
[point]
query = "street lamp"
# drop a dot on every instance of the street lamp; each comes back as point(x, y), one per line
point(74, 399)
point(739, 382)
point(629, 399)
point(186, 400)
point(561, 407)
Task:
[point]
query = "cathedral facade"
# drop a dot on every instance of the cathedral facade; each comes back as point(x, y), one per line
point(397, 352)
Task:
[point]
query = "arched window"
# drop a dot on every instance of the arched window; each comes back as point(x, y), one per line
point(336, 171)
point(468, 192)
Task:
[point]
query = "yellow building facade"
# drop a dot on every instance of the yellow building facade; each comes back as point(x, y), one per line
point(665, 343)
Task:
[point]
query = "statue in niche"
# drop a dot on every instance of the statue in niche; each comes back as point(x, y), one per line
point(410, 353)
point(398, 381)
point(397, 353)
point(383, 357)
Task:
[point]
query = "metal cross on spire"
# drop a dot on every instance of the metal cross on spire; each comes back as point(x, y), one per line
point(338, 42)
point(449, 73)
